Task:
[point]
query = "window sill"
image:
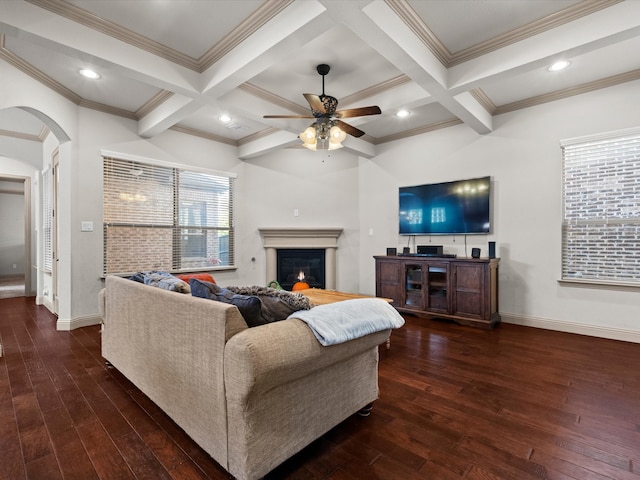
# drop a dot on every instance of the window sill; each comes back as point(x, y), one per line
point(600, 284)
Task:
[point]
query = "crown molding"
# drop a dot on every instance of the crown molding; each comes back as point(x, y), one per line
point(267, 11)
point(258, 135)
point(409, 16)
point(36, 74)
point(101, 107)
point(375, 89)
point(21, 135)
point(569, 92)
point(483, 99)
point(256, 20)
point(417, 131)
point(199, 133)
point(273, 98)
point(83, 17)
point(544, 24)
point(155, 101)
point(412, 20)
point(44, 133)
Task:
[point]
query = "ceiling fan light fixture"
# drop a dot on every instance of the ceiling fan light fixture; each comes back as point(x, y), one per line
point(337, 135)
point(308, 137)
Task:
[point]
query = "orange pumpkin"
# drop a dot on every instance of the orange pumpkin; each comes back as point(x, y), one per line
point(299, 286)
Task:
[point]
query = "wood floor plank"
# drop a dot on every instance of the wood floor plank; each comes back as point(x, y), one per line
point(456, 403)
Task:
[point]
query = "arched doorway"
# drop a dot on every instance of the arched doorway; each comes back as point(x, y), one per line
point(29, 142)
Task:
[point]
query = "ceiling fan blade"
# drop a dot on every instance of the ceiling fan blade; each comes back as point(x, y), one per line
point(287, 116)
point(358, 112)
point(314, 102)
point(351, 130)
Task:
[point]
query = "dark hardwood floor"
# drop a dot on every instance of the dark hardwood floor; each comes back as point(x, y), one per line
point(455, 402)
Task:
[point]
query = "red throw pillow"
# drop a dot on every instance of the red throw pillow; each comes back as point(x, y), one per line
point(205, 277)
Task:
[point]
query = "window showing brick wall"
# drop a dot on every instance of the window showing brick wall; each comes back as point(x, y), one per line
point(601, 216)
point(165, 218)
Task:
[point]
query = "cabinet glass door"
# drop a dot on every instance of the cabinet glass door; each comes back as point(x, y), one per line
point(438, 291)
point(413, 286)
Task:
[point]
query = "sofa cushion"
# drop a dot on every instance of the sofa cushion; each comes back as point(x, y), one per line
point(249, 306)
point(276, 304)
point(164, 280)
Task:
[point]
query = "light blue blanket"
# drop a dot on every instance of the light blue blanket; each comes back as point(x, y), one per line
point(343, 321)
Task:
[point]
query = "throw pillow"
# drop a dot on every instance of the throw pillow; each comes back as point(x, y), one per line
point(207, 277)
point(250, 307)
point(163, 280)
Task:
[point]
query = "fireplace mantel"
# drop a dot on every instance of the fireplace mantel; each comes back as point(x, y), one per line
point(326, 238)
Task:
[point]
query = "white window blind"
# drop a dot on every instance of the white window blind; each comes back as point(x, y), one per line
point(165, 218)
point(601, 218)
point(47, 220)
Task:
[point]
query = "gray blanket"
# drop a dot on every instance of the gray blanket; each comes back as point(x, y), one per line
point(343, 321)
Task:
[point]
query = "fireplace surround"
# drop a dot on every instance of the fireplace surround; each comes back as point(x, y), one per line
point(301, 238)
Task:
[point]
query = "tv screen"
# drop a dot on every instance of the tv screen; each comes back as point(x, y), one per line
point(460, 207)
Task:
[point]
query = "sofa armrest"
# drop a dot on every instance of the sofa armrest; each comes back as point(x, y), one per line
point(261, 358)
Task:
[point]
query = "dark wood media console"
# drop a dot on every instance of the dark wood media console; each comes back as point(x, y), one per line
point(461, 289)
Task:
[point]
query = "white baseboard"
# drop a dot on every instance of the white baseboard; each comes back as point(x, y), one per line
point(572, 327)
point(72, 324)
point(41, 300)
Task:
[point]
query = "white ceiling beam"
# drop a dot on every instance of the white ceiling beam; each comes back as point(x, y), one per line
point(296, 25)
point(586, 34)
point(269, 143)
point(175, 109)
point(410, 55)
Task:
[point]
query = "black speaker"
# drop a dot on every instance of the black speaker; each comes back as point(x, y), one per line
point(406, 250)
point(475, 253)
point(391, 251)
point(492, 249)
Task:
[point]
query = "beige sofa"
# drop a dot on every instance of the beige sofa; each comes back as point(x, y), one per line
point(250, 397)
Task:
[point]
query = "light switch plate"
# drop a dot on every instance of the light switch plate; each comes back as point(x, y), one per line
point(86, 227)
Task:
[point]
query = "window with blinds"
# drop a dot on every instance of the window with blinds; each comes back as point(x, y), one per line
point(47, 221)
point(165, 218)
point(601, 217)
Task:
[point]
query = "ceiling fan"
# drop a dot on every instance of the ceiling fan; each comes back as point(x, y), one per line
point(323, 109)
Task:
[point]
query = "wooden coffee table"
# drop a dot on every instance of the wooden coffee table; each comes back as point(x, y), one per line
point(318, 296)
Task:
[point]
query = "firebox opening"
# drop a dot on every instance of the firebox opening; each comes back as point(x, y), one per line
point(295, 265)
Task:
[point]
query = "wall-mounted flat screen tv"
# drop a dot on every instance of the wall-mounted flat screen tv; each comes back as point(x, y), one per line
point(449, 208)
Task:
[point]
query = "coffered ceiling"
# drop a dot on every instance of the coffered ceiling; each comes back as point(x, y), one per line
point(182, 64)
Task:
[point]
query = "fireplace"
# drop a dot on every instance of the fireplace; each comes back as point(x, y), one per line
point(297, 265)
point(325, 239)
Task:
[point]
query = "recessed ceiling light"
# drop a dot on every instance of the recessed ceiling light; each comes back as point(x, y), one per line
point(560, 65)
point(224, 118)
point(88, 73)
point(403, 113)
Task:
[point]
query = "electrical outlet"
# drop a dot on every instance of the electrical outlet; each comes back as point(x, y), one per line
point(86, 227)
point(296, 212)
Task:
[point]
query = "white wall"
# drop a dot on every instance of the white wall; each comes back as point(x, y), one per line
point(523, 157)
point(322, 187)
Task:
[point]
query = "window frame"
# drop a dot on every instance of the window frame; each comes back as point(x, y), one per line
point(176, 226)
point(598, 149)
